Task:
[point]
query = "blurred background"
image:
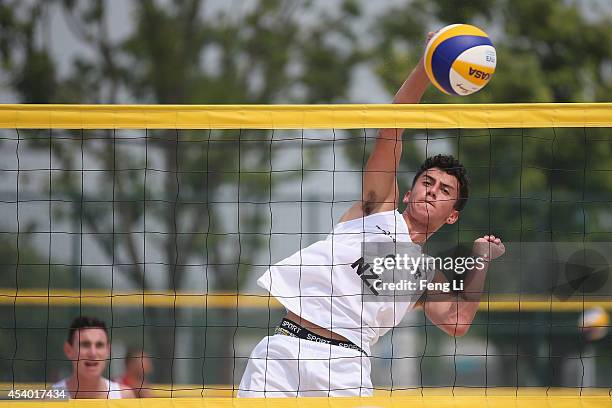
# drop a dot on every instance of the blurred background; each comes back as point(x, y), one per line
point(205, 212)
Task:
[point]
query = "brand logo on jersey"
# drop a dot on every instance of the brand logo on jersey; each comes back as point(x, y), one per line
point(364, 271)
point(291, 327)
point(387, 233)
point(316, 338)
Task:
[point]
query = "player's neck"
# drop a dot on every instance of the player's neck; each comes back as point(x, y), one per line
point(419, 232)
point(135, 378)
point(87, 387)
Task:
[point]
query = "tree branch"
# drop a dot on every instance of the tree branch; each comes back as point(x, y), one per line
point(189, 247)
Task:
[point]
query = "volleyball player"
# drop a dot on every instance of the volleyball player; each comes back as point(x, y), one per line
point(138, 367)
point(322, 345)
point(88, 348)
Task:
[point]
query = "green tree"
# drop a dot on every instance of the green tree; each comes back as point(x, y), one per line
point(548, 50)
point(179, 53)
point(526, 184)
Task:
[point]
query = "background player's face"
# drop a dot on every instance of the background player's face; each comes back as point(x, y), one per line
point(88, 352)
point(139, 367)
point(432, 199)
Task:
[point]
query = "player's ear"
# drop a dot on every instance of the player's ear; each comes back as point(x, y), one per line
point(69, 351)
point(406, 198)
point(453, 217)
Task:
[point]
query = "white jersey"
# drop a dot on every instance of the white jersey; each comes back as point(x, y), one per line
point(113, 388)
point(319, 284)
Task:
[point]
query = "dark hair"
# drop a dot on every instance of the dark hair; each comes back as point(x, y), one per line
point(452, 166)
point(133, 353)
point(85, 322)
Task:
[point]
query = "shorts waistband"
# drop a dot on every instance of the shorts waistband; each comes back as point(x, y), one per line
point(291, 328)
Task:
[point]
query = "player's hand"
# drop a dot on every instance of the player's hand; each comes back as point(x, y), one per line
point(429, 37)
point(489, 247)
point(421, 64)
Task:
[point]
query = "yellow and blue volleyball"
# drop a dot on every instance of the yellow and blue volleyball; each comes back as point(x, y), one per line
point(594, 323)
point(460, 59)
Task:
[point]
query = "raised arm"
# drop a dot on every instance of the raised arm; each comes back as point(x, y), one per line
point(380, 191)
point(453, 313)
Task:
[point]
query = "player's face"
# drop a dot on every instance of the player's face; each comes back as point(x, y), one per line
point(89, 352)
point(140, 366)
point(432, 199)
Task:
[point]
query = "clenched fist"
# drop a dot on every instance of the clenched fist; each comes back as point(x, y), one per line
point(489, 247)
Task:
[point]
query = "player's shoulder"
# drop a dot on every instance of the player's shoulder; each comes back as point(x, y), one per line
point(372, 206)
point(124, 390)
point(60, 385)
point(119, 388)
point(357, 211)
point(127, 393)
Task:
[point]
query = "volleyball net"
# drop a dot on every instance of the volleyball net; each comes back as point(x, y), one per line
point(158, 220)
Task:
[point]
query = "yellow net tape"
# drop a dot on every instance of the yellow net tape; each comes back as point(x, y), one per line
point(228, 391)
point(305, 116)
point(462, 401)
point(230, 300)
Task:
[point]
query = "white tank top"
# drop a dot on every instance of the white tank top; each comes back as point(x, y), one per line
point(319, 284)
point(114, 389)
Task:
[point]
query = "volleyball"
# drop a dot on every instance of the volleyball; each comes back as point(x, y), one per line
point(460, 59)
point(593, 323)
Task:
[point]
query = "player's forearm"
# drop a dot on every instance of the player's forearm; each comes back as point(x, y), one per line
point(473, 283)
point(414, 86)
point(469, 299)
point(411, 91)
point(454, 312)
point(380, 171)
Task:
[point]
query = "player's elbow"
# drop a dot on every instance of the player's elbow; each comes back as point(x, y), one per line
point(455, 330)
point(464, 322)
point(460, 330)
point(456, 325)
point(447, 318)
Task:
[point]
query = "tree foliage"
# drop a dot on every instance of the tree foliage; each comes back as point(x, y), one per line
point(548, 50)
point(186, 52)
point(526, 184)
